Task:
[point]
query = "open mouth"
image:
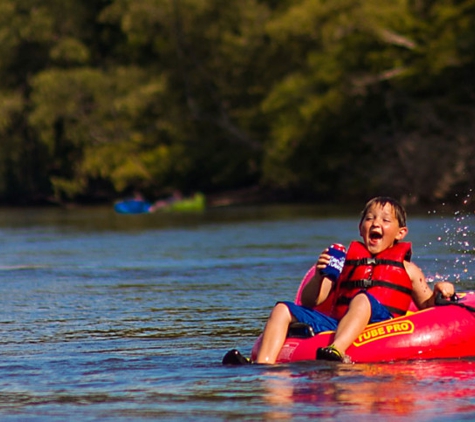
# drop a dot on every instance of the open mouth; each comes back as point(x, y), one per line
point(375, 236)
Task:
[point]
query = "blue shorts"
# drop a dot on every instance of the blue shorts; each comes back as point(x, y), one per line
point(320, 322)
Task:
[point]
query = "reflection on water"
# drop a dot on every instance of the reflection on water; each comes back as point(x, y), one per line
point(415, 391)
point(127, 318)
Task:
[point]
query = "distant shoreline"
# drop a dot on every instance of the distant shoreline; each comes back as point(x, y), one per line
point(257, 196)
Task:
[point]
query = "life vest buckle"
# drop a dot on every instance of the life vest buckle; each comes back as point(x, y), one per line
point(371, 261)
point(366, 283)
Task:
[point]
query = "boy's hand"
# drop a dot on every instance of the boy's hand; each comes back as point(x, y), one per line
point(323, 260)
point(445, 288)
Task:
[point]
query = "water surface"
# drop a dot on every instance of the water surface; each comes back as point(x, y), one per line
point(126, 318)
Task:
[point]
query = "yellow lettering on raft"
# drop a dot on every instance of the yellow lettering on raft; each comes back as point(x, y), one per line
point(388, 329)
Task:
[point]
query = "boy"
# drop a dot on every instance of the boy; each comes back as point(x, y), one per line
point(377, 283)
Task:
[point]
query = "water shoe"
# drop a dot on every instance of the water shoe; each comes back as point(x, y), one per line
point(329, 353)
point(234, 357)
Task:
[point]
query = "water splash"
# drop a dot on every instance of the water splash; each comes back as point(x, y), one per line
point(458, 238)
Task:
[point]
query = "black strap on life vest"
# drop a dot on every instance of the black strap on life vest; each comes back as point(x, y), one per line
point(374, 261)
point(367, 283)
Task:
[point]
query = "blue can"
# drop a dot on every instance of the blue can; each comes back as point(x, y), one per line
point(337, 254)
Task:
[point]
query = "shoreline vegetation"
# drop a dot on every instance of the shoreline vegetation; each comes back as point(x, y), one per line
point(257, 197)
point(309, 101)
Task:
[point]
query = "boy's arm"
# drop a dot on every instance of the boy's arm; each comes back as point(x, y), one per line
point(319, 287)
point(422, 295)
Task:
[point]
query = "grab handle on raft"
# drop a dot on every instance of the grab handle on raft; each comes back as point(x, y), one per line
point(454, 300)
point(441, 300)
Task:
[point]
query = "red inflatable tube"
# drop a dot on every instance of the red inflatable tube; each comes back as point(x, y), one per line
point(436, 333)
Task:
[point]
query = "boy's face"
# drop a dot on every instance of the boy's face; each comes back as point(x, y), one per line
point(380, 228)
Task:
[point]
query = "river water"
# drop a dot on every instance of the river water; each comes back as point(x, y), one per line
point(127, 318)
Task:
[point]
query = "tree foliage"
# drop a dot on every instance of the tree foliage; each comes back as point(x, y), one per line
point(321, 99)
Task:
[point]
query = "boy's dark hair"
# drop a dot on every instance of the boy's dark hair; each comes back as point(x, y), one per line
point(382, 201)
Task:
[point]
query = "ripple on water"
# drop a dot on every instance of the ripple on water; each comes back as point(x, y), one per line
point(128, 319)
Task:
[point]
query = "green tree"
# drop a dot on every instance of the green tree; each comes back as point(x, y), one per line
point(34, 36)
point(322, 99)
point(210, 54)
point(373, 99)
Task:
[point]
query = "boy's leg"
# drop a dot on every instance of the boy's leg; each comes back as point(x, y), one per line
point(274, 334)
point(353, 323)
point(363, 309)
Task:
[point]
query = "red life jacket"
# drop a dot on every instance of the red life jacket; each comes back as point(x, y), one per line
point(383, 275)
